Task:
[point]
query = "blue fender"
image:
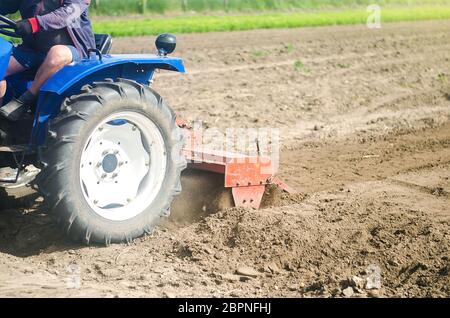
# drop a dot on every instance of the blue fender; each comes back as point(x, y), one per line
point(70, 79)
point(5, 54)
point(111, 66)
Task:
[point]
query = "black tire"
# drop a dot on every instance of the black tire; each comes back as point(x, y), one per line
point(60, 161)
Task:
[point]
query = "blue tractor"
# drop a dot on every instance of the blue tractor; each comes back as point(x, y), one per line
point(107, 147)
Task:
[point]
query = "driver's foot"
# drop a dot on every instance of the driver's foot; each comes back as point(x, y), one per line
point(16, 108)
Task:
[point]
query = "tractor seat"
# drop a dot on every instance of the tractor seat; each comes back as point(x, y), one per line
point(103, 43)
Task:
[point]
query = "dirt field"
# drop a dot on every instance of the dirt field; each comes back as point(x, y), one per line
point(365, 123)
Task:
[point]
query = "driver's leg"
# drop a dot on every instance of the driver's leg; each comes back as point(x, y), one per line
point(58, 57)
point(14, 67)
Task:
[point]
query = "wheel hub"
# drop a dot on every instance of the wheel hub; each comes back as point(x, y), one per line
point(107, 160)
point(110, 163)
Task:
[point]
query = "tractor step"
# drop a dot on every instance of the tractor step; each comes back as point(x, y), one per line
point(13, 178)
point(14, 148)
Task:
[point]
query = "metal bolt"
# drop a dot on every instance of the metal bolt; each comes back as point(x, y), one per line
point(99, 165)
point(134, 128)
point(121, 164)
point(104, 176)
point(116, 152)
point(104, 153)
point(115, 175)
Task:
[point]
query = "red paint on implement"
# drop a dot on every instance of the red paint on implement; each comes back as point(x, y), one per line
point(247, 176)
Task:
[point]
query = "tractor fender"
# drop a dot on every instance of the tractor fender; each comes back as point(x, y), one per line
point(135, 67)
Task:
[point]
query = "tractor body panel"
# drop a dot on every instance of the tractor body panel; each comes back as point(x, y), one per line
point(142, 66)
point(5, 54)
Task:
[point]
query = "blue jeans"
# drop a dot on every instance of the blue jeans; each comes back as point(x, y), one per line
point(32, 60)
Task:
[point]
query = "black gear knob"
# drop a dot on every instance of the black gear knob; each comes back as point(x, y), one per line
point(166, 44)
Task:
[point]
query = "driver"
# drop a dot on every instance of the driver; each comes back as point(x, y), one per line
point(55, 33)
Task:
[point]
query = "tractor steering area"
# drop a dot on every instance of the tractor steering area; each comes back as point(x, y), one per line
point(8, 27)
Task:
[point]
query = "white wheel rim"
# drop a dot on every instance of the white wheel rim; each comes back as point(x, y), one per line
point(123, 166)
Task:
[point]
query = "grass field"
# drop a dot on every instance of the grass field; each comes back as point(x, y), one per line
point(210, 23)
point(124, 7)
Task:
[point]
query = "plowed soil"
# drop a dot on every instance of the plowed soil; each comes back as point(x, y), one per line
point(365, 124)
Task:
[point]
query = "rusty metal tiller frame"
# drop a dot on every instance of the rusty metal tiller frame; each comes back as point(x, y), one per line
point(246, 176)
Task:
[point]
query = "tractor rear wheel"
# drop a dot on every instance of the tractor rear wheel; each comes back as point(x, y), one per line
point(112, 163)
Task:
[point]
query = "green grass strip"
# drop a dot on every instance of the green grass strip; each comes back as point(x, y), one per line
point(127, 7)
point(199, 24)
